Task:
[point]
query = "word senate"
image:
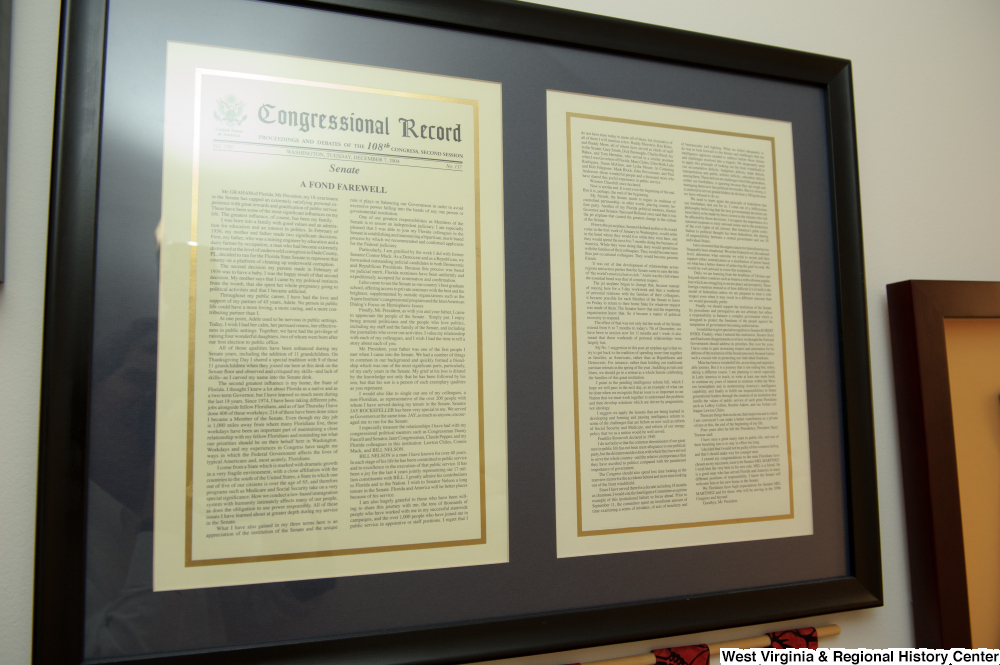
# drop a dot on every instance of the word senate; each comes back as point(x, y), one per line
point(305, 121)
point(859, 656)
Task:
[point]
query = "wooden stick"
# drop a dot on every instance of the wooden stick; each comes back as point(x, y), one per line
point(641, 659)
point(759, 642)
point(828, 631)
point(764, 641)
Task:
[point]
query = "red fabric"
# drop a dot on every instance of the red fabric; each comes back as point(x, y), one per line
point(696, 654)
point(800, 638)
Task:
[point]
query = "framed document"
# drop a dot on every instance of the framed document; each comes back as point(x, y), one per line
point(678, 356)
point(946, 358)
point(327, 274)
point(435, 332)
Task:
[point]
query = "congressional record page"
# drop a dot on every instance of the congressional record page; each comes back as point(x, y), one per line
point(331, 377)
point(678, 358)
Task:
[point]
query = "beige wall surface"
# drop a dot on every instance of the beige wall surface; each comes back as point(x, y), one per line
point(925, 95)
point(32, 85)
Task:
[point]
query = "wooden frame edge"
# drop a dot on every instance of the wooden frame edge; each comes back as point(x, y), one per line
point(917, 310)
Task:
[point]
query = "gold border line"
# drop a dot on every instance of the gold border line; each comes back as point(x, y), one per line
point(337, 86)
point(189, 498)
point(576, 381)
point(479, 334)
point(340, 63)
point(325, 553)
point(192, 296)
point(572, 310)
point(784, 354)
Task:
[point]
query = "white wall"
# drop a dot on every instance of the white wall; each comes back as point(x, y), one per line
point(32, 87)
point(926, 95)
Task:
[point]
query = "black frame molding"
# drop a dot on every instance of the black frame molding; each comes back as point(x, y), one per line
point(62, 479)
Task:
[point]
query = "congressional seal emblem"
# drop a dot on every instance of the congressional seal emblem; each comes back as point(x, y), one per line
point(230, 111)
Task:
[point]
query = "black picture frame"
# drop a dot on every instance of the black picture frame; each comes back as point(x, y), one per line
point(67, 354)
